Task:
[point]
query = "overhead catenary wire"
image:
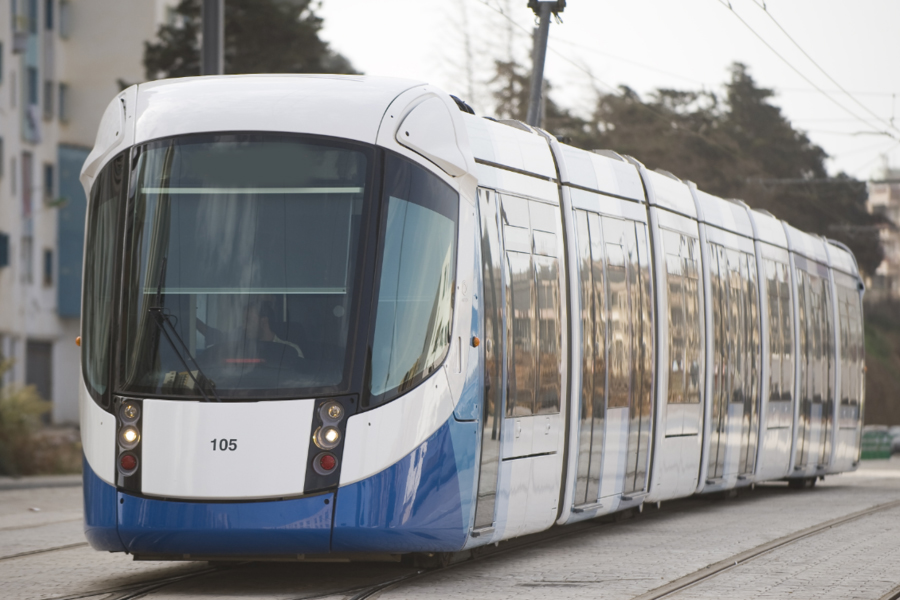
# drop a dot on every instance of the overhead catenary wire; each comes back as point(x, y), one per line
point(651, 110)
point(605, 85)
point(727, 4)
point(818, 66)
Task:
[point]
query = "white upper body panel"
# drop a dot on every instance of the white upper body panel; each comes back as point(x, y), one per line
point(599, 173)
point(805, 244)
point(348, 107)
point(724, 214)
point(669, 193)
point(510, 147)
point(768, 228)
point(343, 106)
point(842, 260)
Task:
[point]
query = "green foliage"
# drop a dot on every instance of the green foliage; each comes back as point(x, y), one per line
point(882, 363)
point(731, 146)
point(261, 36)
point(21, 409)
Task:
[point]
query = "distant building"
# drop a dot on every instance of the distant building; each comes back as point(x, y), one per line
point(884, 199)
point(61, 62)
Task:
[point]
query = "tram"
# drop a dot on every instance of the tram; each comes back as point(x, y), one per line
point(345, 316)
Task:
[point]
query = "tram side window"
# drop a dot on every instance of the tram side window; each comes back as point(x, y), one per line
point(851, 356)
point(546, 276)
point(593, 318)
point(685, 334)
point(787, 331)
point(695, 342)
point(754, 343)
point(620, 351)
point(99, 263)
point(418, 262)
point(776, 344)
point(533, 305)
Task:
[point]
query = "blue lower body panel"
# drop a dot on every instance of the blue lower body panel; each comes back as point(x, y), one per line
point(100, 527)
point(415, 505)
point(301, 526)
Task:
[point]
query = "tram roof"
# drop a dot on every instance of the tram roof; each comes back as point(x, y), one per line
point(346, 106)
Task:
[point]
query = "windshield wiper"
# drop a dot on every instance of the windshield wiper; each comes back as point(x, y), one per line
point(162, 319)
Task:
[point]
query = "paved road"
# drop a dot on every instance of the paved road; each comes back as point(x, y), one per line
point(43, 553)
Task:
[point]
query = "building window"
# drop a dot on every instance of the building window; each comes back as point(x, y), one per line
point(48, 15)
point(26, 184)
point(32, 16)
point(32, 85)
point(27, 253)
point(48, 267)
point(48, 100)
point(64, 103)
point(4, 250)
point(49, 187)
point(64, 19)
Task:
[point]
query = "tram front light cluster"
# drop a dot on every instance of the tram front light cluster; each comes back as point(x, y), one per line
point(129, 437)
point(328, 437)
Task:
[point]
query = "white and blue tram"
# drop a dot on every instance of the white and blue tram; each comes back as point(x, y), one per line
point(334, 314)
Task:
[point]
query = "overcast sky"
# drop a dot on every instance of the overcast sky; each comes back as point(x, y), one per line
point(646, 44)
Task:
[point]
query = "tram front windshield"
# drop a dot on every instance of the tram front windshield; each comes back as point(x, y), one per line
point(241, 262)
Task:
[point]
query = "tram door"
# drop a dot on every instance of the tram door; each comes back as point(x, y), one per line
point(492, 408)
point(616, 357)
point(522, 379)
point(736, 338)
point(816, 366)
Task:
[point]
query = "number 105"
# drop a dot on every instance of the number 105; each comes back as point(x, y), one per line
point(223, 444)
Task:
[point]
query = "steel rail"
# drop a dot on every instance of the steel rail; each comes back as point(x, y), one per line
point(741, 558)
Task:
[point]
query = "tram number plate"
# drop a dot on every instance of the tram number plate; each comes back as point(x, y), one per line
point(224, 445)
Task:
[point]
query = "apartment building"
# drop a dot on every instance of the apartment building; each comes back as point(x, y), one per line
point(61, 62)
point(884, 199)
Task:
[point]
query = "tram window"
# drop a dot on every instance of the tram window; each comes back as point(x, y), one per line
point(589, 349)
point(547, 279)
point(787, 331)
point(103, 219)
point(677, 339)
point(685, 333)
point(599, 314)
point(241, 273)
point(521, 347)
point(719, 300)
point(753, 325)
point(415, 296)
point(619, 327)
point(844, 337)
point(776, 344)
point(694, 324)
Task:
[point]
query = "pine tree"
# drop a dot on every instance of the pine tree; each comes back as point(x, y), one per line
point(261, 36)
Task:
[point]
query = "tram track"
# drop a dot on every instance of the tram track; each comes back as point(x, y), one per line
point(742, 558)
point(140, 589)
point(132, 591)
point(680, 584)
point(44, 550)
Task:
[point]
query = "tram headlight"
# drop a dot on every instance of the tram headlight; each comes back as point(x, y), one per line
point(327, 438)
point(130, 412)
point(129, 437)
point(331, 412)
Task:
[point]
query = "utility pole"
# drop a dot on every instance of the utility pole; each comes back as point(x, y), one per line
point(543, 10)
point(212, 52)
